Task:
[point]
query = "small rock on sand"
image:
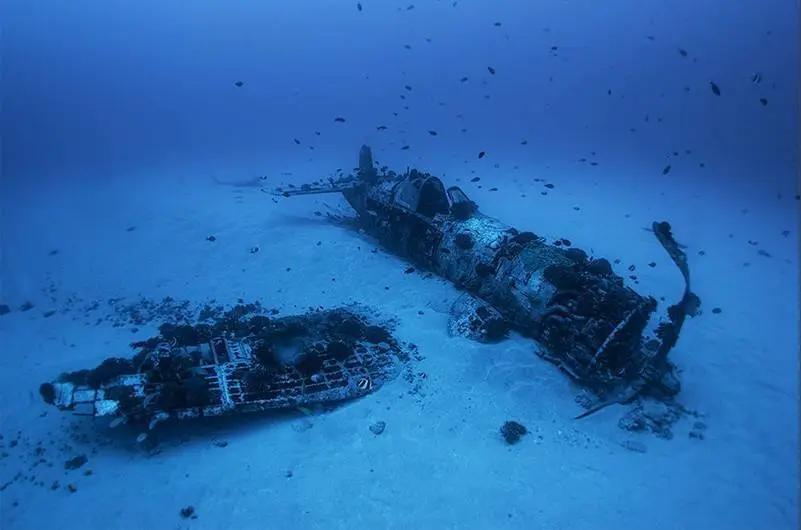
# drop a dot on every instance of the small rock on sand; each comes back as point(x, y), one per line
point(512, 431)
point(378, 427)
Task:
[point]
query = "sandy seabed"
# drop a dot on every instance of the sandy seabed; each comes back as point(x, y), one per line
point(441, 462)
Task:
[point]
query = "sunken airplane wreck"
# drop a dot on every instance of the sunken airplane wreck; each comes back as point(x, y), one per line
point(240, 363)
point(586, 320)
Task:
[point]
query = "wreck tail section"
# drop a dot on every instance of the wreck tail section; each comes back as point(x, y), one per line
point(367, 171)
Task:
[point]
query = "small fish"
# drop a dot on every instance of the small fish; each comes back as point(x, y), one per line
point(764, 101)
point(339, 119)
point(756, 78)
point(365, 384)
point(497, 24)
point(524, 142)
point(491, 70)
point(715, 88)
point(381, 128)
point(407, 46)
point(666, 170)
point(358, 6)
point(296, 141)
point(432, 133)
point(141, 438)
point(239, 83)
point(463, 80)
point(683, 52)
point(405, 148)
point(407, 87)
point(481, 154)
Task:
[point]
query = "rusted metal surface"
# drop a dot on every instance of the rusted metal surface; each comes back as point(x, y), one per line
point(324, 356)
point(586, 320)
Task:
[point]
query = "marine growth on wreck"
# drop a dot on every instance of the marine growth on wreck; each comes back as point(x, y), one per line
point(241, 362)
point(584, 317)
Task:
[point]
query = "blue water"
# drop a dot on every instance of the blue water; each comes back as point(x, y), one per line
point(120, 120)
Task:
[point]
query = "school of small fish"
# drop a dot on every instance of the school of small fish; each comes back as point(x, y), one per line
point(755, 78)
